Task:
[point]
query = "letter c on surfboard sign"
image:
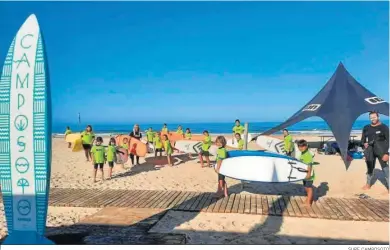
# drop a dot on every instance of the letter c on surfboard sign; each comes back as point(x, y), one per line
point(25, 136)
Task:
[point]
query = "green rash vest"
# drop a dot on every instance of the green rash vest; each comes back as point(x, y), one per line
point(307, 158)
point(111, 150)
point(206, 143)
point(125, 146)
point(179, 132)
point(221, 154)
point(68, 131)
point(168, 147)
point(187, 135)
point(98, 153)
point(288, 143)
point(149, 136)
point(87, 137)
point(238, 129)
point(241, 144)
point(164, 130)
point(157, 142)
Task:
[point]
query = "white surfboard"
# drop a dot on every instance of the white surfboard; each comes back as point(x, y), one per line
point(25, 136)
point(262, 166)
point(233, 141)
point(276, 145)
point(193, 147)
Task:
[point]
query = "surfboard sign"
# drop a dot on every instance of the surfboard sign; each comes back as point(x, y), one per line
point(25, 136)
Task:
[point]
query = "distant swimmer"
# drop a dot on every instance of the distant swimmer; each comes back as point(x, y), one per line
point(375, 140)
point(67, 132)
point(87, 138)
point(288, 142)
point(238, 128)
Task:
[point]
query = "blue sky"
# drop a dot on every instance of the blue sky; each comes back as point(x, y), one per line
point(201, 61)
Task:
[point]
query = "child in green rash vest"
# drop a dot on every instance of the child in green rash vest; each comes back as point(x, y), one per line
point(205, 149)
point(288, 142)
point(164, 129)
point(87, 138)
point(111, 156)
point(97, 152)
point(150, 135)
point(307, 158)
point(168, 150)
point(188, 134)
point(238, 128)
point(157, 143)
point(239, 141)
point(180, 131)
point(221, 155)
point(67, 132)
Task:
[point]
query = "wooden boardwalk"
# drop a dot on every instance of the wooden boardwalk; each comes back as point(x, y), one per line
point(292, 206)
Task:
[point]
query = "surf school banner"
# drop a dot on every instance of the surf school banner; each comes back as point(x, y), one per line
point(25, 143)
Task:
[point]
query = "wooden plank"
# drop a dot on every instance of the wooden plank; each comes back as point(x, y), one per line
point(342, 208)
point(124, 197)
point(302, 207)
point(110, 196)
point(247, 204)
point(241, 205)
point(223, 206)
point(122, 194)
point(162, 199)
point(259, 205)
point(152, 199)
point(62, 196)
point(182, 200)
point(192, 201)
point(271, 205)
point(236, 203)
point(317, 211)
point(289, 207)
point(176, 201)
point(361, 210)
point(295, 207)
point(59, 195)
point(328, 210)
point(99, 200)
point(141, 199)
point(382, 207)
point(334, 208)
point(171, 199)
point(87, 201)
point(201, 204)
point(276, 205)
point(207, 203)
point(187, 201)
point(379, 215)
point(323, 211)
point(218, 205)
point(283, 206)
point(264, 205)
point(198, 199)
point(349, 208)
point(212, 205)
point(253, 204)
point(70, 196)
point(309, 209)
point(230, 203)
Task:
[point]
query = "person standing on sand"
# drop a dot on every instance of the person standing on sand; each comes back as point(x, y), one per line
point(164, 129)
point(137, 135)
point(180, 131)
point(238, 128)
point(67, 132)
point(87, 138)
point(375, 140)
point(288, 142)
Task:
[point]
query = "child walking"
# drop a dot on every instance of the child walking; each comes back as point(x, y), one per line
point(168, 150)
point(221, 155)
point(205, 149)
point(111, 156)
point(187, 136)
point(97, 153)
point(67, 132)
point(307, 158)
point(157, 144)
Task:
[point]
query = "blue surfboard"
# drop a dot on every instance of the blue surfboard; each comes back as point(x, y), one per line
point(25, 136)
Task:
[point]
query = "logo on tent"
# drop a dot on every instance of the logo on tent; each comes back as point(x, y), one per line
point(311, 107)
point(374, 100)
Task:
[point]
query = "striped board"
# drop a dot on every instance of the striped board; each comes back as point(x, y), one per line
point(276, 145)
point(193, 147)
point(25, 136)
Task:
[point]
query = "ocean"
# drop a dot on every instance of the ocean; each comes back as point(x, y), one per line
point(305, 127)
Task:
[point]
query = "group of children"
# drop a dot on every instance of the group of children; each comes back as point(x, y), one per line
point(101, 154)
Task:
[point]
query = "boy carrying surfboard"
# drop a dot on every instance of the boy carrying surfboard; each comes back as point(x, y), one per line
point(307, 158)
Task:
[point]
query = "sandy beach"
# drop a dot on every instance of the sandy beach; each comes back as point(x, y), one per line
point(70, 170)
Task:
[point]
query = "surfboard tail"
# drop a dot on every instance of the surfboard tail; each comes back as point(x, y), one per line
point(26, 238)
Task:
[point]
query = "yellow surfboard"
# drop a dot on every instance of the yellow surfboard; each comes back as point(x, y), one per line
point(72, 137)
point(77, 145)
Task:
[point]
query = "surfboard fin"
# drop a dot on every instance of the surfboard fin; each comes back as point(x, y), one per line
point(26, 238)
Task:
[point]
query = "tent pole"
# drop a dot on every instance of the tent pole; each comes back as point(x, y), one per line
point(246, 136)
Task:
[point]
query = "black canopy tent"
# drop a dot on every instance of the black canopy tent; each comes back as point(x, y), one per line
point(340, 102)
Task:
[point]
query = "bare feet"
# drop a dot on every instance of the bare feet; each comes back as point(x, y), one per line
point(94, 180)
point(366, 187)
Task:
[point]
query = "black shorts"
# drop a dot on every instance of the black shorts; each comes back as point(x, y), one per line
point(307, 183)
point(87, 146)
point(221, 177)
point(288, 153)
point(158, 150)
point(100, 165)
point(204, 153)
point(111, 164)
